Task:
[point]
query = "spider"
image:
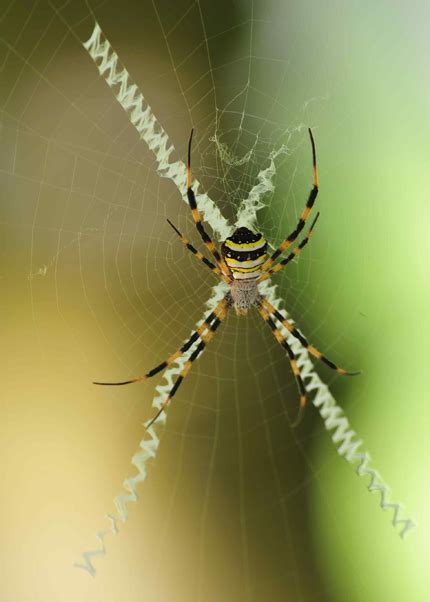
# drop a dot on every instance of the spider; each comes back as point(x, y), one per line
point(243, 263)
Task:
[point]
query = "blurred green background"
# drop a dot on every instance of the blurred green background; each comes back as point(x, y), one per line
point(237, 506)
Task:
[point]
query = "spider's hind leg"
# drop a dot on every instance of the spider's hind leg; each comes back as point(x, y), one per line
point(199, 255)
point(198, 219)
point(304, 215)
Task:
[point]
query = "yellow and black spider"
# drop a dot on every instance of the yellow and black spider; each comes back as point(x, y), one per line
point(242, 264)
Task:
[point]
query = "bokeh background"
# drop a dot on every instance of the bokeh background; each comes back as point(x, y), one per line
point(237, 506)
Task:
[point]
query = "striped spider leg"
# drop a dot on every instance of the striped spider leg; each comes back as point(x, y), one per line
point(268, 312)
point(304, 216)
point(294, 253)
point(205, 333)
point(216, 270)
point(293, 362)
point(293, 330)
point(197, 218)
point(221, 312)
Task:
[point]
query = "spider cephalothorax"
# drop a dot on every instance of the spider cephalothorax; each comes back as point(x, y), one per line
point(242, 264)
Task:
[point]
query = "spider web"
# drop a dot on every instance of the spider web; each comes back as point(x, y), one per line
point(95, 124)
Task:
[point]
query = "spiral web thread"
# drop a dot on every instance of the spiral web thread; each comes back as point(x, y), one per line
point(345, 439)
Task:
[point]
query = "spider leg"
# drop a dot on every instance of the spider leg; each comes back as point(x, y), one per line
point(197, 217)
point(311, 349)
point(304, 216)
point(296, 251)
point(199, 255)
point(209, 323)
point(294, 366)
point(205, 339)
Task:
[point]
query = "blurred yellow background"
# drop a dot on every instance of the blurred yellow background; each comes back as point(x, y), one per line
point(237, 505)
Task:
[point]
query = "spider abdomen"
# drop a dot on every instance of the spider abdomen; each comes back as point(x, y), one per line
point(244, 252)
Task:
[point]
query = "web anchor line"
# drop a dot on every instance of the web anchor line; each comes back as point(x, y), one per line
point(152, 133)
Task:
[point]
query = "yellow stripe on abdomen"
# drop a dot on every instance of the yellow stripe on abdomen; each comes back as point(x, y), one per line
point(245, 263)
point(246, 270)
point(248, 246)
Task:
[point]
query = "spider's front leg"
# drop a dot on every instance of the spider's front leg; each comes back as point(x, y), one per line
point(293, 362)
point(298, 335)
point(224, 305)
point(267, 311)
point(211, 323)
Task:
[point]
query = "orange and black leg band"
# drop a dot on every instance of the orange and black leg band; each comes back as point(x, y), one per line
point(292, 358)
point(304, 216)
point(310, 348)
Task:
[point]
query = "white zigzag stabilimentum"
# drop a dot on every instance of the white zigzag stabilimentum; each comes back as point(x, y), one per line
point(344, 438)
point(247, 212)
point(147, 447)
point(149, 128)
